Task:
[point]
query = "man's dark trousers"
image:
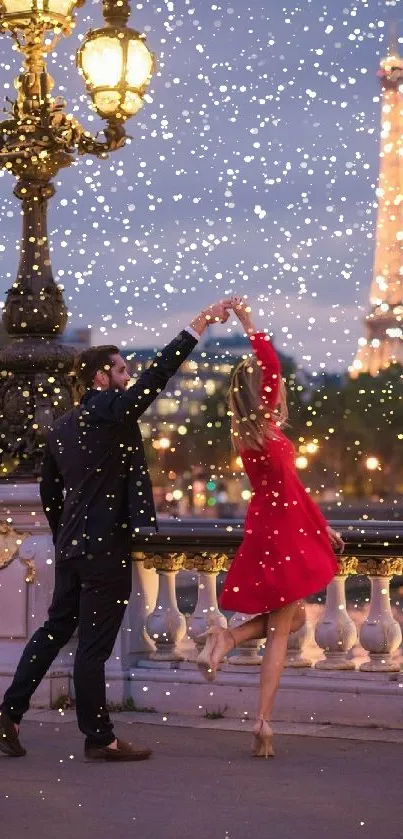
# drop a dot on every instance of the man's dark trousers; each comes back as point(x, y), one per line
point(91, 593)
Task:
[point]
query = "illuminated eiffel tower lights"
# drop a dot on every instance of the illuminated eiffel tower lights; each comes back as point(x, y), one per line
point(383, 341)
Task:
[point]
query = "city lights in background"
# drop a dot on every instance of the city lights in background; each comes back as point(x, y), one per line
point(162, 443)
point(301, 462)
point(211, 487)
point(372, 463)
point(309, 448)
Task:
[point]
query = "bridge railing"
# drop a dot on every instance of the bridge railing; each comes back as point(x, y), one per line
point(205, 547)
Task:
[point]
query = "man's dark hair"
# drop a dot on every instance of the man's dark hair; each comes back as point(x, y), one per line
point(90, 361)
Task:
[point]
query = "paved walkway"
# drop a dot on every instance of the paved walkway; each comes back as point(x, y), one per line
point(200, 784)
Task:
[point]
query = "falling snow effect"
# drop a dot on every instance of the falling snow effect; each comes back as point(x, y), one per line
point(252, 168)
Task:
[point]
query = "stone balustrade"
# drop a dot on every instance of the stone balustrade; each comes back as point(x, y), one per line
point(370, 552)
point(158, 643)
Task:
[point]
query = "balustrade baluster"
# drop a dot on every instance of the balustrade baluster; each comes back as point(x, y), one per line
point(296, 646)
point(248, 652)
point(336, 632)
point(142, 604)
point(206, 613)
point(166, 625)
point(380, 633)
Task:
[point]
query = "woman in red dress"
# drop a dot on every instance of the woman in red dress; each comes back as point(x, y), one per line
point(287, 549)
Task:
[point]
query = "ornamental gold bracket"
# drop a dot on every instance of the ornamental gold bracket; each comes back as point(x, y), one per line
point(39, 141)
point(10, 543)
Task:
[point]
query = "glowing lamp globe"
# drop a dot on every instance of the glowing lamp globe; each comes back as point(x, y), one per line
point(117, 67)
point(53, 14)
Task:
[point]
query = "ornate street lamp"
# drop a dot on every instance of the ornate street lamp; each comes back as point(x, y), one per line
point(36, 141)
point(117, 67)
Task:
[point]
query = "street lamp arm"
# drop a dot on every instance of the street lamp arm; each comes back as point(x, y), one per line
point(69, 135)
point(10, 157)
point(115, 138)
point(52, 132)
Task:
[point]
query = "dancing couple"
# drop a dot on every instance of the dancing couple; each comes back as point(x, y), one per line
point(96, 494)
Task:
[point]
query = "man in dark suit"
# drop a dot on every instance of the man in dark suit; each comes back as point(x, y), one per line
point(96, 493)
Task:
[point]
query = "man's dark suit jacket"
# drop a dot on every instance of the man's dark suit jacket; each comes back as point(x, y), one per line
point(95, 486)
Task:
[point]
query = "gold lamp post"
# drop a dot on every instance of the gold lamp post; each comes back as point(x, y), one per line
point(36, 141)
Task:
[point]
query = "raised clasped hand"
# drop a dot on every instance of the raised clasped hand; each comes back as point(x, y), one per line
point(218, 312)
point(241, 307)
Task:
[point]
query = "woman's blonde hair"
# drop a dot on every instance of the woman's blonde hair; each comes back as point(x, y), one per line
point(251, 420)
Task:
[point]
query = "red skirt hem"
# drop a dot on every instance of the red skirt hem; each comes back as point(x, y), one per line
point(231, 603)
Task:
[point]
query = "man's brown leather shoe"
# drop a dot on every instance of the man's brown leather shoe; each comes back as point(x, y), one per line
point(9, 741)
point(124, 751)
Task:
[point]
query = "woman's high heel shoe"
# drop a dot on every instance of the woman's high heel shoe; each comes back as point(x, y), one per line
point(262, 745)
point(205, 663)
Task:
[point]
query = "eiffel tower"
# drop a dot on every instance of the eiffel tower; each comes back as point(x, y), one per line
point(383, 341)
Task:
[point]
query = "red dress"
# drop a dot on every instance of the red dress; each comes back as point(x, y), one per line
point(286, 553)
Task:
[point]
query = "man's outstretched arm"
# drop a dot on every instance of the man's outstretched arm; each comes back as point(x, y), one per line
point(128, 406)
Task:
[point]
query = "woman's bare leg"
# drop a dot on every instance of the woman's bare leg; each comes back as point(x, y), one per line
point(278, 629)
point(227, 639)
point(249, 630)
point(299, 616)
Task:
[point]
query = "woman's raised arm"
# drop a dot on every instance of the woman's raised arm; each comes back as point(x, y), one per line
point(264, 352)
point(270, 365)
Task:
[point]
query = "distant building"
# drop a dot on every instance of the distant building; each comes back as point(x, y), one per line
point(205, 373)
point(204, 376)
point(78, 337)
point(382, 344)
point(232, 345)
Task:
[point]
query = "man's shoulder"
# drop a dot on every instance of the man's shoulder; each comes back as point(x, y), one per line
point(64, 420)
point(95, 401)
point(97, 410)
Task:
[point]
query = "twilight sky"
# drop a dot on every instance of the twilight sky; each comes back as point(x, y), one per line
point(252, 169)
